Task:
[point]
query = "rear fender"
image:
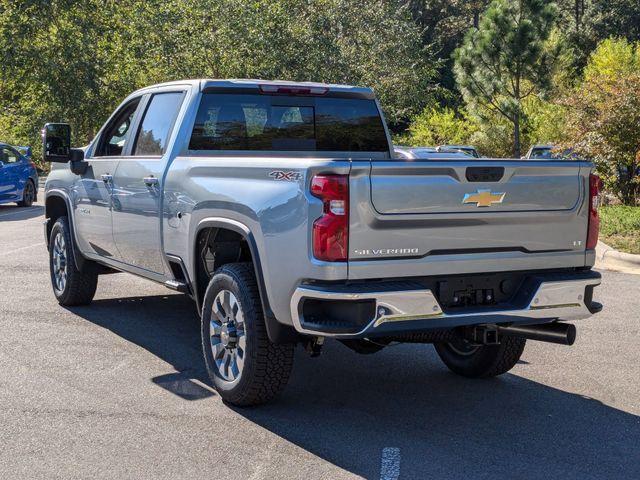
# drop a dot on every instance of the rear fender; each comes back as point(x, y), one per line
point(277, 332)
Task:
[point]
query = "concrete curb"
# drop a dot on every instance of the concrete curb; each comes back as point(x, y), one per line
point(609, 258)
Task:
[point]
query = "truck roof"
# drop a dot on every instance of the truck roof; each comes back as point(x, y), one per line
point(251, 85)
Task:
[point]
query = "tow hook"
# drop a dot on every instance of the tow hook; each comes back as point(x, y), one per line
point(314, 346)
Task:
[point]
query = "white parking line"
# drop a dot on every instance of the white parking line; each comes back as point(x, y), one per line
point(21, 248)
point(20, 211)
point(390, 465)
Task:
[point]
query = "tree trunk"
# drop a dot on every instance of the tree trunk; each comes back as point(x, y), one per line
point(516, 136)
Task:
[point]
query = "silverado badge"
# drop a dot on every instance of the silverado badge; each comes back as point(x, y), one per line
point(483, 198)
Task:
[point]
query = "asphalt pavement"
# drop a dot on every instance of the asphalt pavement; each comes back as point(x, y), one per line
point(118, 390)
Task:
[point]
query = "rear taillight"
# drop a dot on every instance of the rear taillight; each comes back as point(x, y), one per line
point(594, 218)
point(331, 230)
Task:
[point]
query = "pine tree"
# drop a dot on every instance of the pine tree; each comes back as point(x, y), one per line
point(504, 60)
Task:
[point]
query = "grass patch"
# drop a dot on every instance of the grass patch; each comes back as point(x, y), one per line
point(620, 227)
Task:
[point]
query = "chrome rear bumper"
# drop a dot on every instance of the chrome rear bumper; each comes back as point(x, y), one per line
point(419, 309)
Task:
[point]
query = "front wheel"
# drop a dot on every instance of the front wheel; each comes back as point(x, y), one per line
point(245, 367)
point(70, 286)
point(481, 361)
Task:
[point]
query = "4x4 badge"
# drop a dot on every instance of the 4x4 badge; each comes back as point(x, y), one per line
point(286, 176)
point(483, 198)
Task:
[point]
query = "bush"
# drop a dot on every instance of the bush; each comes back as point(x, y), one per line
point(494, 139)
point(620, 227)
point(439, 126)
point(544, 122)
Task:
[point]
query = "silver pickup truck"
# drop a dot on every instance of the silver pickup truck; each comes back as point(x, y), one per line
point(281, 209)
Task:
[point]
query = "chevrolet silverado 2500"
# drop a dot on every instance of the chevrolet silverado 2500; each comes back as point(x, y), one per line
point(281, 209)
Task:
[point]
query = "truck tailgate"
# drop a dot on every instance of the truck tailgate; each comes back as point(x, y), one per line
point(488, 210)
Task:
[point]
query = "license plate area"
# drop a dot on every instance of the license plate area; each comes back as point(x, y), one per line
point(471, 292)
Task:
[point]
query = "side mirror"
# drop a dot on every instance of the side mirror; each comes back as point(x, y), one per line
point(56, 142)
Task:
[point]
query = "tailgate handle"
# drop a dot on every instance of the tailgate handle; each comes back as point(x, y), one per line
point(485, 174)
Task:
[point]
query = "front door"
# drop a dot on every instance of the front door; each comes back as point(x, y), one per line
point(137, 197)
point(9, 174)
point(92, 191)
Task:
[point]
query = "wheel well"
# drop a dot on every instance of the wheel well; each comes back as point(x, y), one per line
point(214, 248)
point(55, 207)
point(217, 246)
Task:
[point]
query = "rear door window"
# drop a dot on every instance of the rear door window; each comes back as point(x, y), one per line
point(276, 123)
point(157, 124)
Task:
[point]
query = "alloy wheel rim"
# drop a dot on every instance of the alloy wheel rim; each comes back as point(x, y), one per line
point(227, 336)
point(59, 261)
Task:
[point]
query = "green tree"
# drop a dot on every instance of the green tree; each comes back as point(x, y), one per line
point(506, 60)
point(443, 24)
point(585, 23)
point(75, 61)
point(613, 58)
point(603, 118)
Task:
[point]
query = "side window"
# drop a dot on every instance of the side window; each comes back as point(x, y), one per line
point(157, 124)
point(9, 156)
point(115, 135)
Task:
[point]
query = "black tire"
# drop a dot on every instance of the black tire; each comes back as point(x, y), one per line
point(266, 366)
point(482, 361)
point(28, 194)
point(79, 287)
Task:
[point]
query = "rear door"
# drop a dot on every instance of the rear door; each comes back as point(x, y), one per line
point(459, 210)
point(137, 199)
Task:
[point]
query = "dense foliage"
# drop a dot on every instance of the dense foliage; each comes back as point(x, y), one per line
point(604, 117)
point(76, 61)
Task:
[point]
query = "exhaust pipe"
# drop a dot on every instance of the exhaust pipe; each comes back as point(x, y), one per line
point(561, 333)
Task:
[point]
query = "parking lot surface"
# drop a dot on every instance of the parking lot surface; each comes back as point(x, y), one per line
point(117, 389)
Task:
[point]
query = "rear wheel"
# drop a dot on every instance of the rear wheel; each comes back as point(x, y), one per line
point(481, 361)
point(28, 194)
point(244, 366)
point(70, 285)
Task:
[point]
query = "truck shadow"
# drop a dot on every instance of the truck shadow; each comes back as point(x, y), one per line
point(13, 213)
point(345, 408)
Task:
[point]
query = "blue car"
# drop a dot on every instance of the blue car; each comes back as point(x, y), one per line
point(18, 177)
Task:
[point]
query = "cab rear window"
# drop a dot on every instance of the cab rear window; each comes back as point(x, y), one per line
point(283, 123)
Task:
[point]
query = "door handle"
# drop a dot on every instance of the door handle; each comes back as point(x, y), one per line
point(150, 181)
point(106, 177)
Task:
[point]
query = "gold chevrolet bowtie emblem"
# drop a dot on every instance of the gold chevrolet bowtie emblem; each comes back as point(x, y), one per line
point(483, 198)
